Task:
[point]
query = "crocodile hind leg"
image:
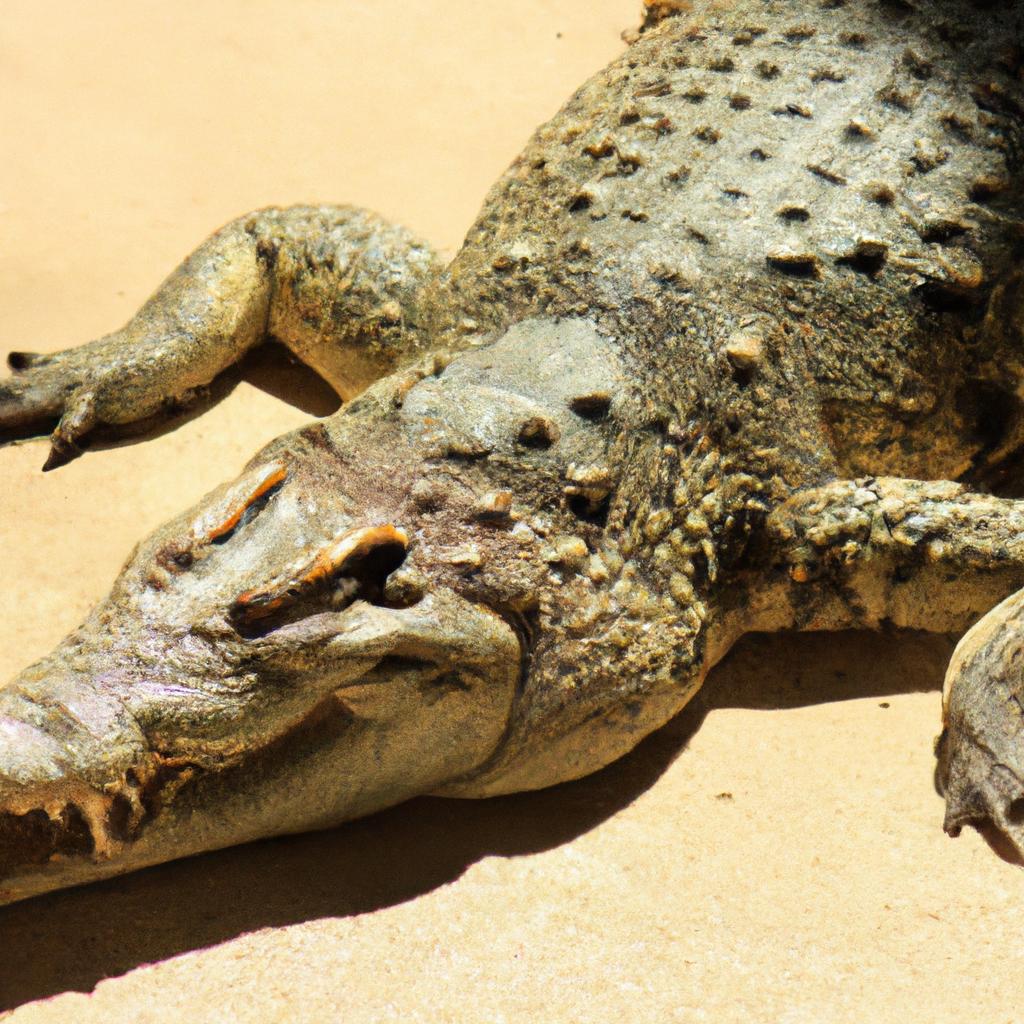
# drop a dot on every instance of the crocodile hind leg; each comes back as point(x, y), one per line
point(932, 556)
point(339, 286)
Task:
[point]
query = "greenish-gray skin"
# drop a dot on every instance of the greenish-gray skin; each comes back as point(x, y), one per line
point(734, 345)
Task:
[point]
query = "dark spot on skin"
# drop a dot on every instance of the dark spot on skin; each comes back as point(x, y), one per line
point(882, 195)
point(592, 407)
point(827, 75)
point(794, 213)
point(759, 155)
point(467, 453)
point(957, 127)
point(989, 411)
point(580, 203)
point(826, 175)
point(896, 98)
point(1015, 811)
point(767, 70)
point(803, 265)
point(867, 259)
point(898, 8)
point(600, 150)
point(942, 231)
point(853, 40)
point(707, 134)
point(629, 163)
point(266, 252)
point(739, 102)
point(944, 297)
point(19, 361)
point(858, 131)
point(538, 432)
point(175, 558)
point(590, 510)
point(984, 190)
point(657, 89)
point(920, 68)
point(742, 375)
point(793, 110)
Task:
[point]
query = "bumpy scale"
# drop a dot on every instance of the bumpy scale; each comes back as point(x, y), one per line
point(734, 345)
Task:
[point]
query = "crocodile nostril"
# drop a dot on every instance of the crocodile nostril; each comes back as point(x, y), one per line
point(370, 571)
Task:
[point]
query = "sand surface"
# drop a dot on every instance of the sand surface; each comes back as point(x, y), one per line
point(774, 854)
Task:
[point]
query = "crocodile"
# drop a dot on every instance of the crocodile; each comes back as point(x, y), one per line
point(734, 345)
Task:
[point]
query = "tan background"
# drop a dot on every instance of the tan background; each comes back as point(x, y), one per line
point(774, 854)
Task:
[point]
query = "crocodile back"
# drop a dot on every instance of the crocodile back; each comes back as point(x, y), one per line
point(841, 178)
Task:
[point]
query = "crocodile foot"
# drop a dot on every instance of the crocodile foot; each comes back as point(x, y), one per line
point(981, 749)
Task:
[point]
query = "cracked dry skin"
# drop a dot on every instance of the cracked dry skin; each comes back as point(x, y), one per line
point(735, 344)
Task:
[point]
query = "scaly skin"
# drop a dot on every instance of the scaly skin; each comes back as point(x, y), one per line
point(734, 345)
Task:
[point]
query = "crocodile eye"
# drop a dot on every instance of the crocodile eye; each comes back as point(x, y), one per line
point(243, 504)
point(245, 507)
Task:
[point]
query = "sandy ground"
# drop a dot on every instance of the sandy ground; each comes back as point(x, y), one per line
point(774, 854)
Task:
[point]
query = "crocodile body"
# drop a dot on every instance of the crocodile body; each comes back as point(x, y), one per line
point(735, 344)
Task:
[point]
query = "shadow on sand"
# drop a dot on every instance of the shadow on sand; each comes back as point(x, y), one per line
point(71, 940)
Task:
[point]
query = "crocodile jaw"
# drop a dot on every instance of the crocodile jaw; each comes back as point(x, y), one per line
point(400, 702)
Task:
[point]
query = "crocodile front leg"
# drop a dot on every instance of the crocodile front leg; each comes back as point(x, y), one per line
point(339, 286)
point(924, 555)
point(917, 554)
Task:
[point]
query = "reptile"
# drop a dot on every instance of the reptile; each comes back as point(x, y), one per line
point(734, 345)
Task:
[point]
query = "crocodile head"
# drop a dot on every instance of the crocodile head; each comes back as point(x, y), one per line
point(344, 626)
